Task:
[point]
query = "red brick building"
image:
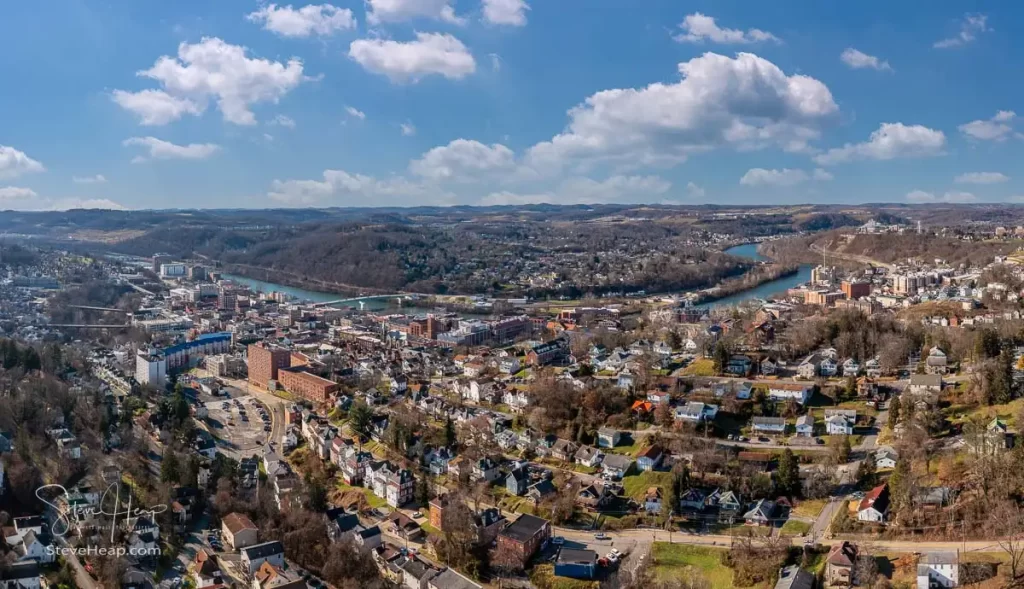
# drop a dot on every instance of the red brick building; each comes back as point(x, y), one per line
point(309, 386)
point(855, 289)
point(264, 363)
point(524, 537)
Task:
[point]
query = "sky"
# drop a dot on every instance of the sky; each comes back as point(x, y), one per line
point(147, 104)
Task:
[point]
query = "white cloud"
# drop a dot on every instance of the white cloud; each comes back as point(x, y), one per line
point(783, 177)
point(156, 107)
point(463, 160)
point(506, 12)
point(408, 129)
point(860, 60)
point(694, 191)
point(355, 113)
point(430, 53)
point(981, 178)
point(16, 193)
point(211, 70)
point(822, 175)
point(578, 190)
point(744, 102)
point(340, 187)
point(14, 163)
point(890, 141)
point(994, 129)
point(315, 19)
point(165, 150)
point(970, 27)
point(283, 121)
point(698, 28)
point(66, 204)
point(381, 11)
point(495, 61)
point(920, 196)
point(97, 179)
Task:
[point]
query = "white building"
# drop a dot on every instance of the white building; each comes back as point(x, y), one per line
point(938, 570)
point(151, 368)
point(172, 270)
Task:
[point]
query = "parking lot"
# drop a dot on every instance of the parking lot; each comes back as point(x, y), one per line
point(239, 423)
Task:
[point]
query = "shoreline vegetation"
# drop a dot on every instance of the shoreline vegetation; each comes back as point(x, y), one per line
point(752, 279)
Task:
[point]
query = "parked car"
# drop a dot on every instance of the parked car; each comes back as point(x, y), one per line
point(558, 540)
point(601, 536)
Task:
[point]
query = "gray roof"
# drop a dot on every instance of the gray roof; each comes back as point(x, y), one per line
point(263, 550)
point(450, 579)
point(524, 528)
point(926, 380)
point(570, 555)
point(617, 461)
point(794, 577)
point(939, 558)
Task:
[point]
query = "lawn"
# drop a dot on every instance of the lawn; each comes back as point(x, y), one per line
point(809, 507)
point(373, 500)
point(429, 529)
point(700, 367)
point(634, 445)
point(636, 486)
point(795, 527)
point(670, 560)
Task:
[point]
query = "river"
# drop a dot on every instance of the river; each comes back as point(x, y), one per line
point(763, 291)
point(373, 304)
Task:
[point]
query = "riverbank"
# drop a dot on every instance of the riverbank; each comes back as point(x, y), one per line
point(751, 281)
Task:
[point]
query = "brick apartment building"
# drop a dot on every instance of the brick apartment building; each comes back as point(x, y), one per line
point(309, 386)
point(855, 289)
point(264, 363)
point(524, 537)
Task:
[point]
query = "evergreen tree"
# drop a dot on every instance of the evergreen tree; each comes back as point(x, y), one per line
point(449, 433)
point(170, 469)
point(721, 357)
point(423, 491)
point(360, 416)
point(894, 412)
point(789, 474)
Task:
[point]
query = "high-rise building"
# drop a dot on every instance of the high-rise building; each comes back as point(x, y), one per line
point(855, 289)
point(264, 363)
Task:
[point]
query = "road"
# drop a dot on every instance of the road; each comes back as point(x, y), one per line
point(851, 257)
point(82, 578)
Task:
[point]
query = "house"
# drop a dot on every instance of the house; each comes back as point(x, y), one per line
point(936, 362)
point(729, 506)
point(805, 426)
point(761, 514)
point(808, 368)
point(659, 397)
point(696, 412)
point(524, 537)
point(367, 539)
point(781, 391)
point(738, 365)
point(20, 575)
point(608, 437)
point(840, 422)
point(886, 457)
point(588, 456)
point(451, 579)
point(488, 523)
point(517, 481)
point(692, 499)
point(596, 495)
point(828, 367)
point(652, 500)
point(205, 571)
point(539, 490)
point(925, 384)
point(563, 450)
point(851, 367)
point(874, 507)
point(768, 367)
point(269, 576)
point(415, 573)
point(940, 569)
point(238, 530)
point(873, 368)
point(485, 469)
point(770, 425)
point(576, 564)
point(794, 577)
point(548, 352)
point(254, 556)
point(616, 466)
point(867, 387)
point(840, 564)
point(403, 526)
point(650, 458)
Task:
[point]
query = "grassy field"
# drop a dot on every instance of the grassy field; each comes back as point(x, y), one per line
point(809, 507)
point(373, 500)
point(634, 445)
point(670, 560)
point(700, 367)
point(636, 486)
point(795, 527)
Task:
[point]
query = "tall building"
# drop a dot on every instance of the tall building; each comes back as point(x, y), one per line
point(265, 362)
point(855, 289)
point(151, 368)
point(159, 260)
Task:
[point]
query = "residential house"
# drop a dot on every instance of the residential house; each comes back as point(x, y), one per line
point(768, 425)
point(268, 576)
point(516, 399)
point(938, 570)
point(205, 571)
point(254, 556)
point(692, 499)
point(874, 507)
point(696, 412)
point(608, 437)
point(840, 565)
point(805, 426)
point(840, 422)
point(781, 391)
point(925, 384)
point(20, 575)
point(652, 500)
point(768, 367)
point(451, 579)
point(403, 526)
point(729, 506)
point(851, 367)
point(808, 368)
point(517, 481)
point(485, 469)
point(353, 467)
point(596, 495)
point(576, 564)
point(761, 514)
point(238, 531)
point(650, 458)
point(564, 450)
point(794, 577)
point(588, 456)
point(738, 365)
point(873, 368)
point(936, 362)
point(399, 487)
point(538, 491)
point(488, 523)
point(886, 457)
point(524, 537)
point(616, 466)
point(367, 539)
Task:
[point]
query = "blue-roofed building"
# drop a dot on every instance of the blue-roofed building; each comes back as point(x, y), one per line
point(186, 354)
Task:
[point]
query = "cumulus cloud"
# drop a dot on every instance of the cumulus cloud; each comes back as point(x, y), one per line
point(920, 196)
point(578, 190)
point(8, 193)
point(315, 19)
point(745, 102)
point(860, 60)
point(994, 129)
point(890, 141)
point(698, 28)
point(981, 178)
point(158, 149)
point(784, 177)
point(408, 129)
point(156, 107)
point(97, 179)
point(970, 27)
point(66, 204)
point(505, 12)
point(355, 113)
point(340, 187)
point(384, 11)
point(430, 54)
point(694, 191)
point(283, 121)
point(463, 160)
point(14, 163)
point(211, 70)
point(26, 199)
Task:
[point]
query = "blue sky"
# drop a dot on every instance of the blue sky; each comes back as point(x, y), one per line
point(239, 103)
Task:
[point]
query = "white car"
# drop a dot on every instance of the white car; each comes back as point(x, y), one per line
point(612, 557)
